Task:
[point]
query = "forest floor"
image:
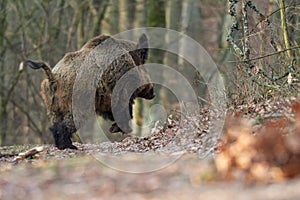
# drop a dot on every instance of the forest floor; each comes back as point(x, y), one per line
point(257, 157)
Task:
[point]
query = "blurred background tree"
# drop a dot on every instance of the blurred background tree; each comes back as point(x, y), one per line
point(46, 30)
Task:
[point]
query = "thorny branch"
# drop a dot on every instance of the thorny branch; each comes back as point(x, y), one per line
point(246, 45)
point(234, 27)
point(243, 50)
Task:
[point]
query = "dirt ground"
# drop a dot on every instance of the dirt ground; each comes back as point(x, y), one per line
point(71, 174)
point(260, 159)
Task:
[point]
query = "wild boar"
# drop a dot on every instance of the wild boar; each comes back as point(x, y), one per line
point(98, 57)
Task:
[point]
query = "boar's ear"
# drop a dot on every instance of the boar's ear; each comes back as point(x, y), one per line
point(143, 46)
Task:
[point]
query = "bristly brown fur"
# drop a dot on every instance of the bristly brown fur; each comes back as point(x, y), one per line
point(95, 42)
point(92, 58)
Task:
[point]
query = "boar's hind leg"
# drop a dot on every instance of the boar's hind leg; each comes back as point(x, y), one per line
point(124, 123)
point(124, 120)
point(115, 128)
point(62, 136)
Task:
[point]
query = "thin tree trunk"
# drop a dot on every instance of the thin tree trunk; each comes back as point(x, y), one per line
point(156, 18)
point(114, 16)
point(3, 109)
point(173, 21)
point(285, 28)
point(191, 25)
point(132, 12)
point(99, 13)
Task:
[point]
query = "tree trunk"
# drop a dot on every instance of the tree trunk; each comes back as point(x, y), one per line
point(3, 123)
point(100, 11)
point(156, 18)
point(131, 13)
point(139, 108)
point(173, 21)
point(141, 12)
point(191, 23)
point(285, 28)
point(114, 16)
point(3, 109)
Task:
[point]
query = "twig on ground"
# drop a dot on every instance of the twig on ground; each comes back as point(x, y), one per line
point(29, 153)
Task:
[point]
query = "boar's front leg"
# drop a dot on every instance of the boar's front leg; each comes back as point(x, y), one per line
point(124, 121)
point(62, 136)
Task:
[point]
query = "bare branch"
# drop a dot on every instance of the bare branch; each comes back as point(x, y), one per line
point(268, 55)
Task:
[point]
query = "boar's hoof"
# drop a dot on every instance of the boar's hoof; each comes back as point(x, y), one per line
point(66, 146)
point(62, 137)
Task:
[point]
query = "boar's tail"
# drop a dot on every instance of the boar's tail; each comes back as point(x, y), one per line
point(44, 66)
